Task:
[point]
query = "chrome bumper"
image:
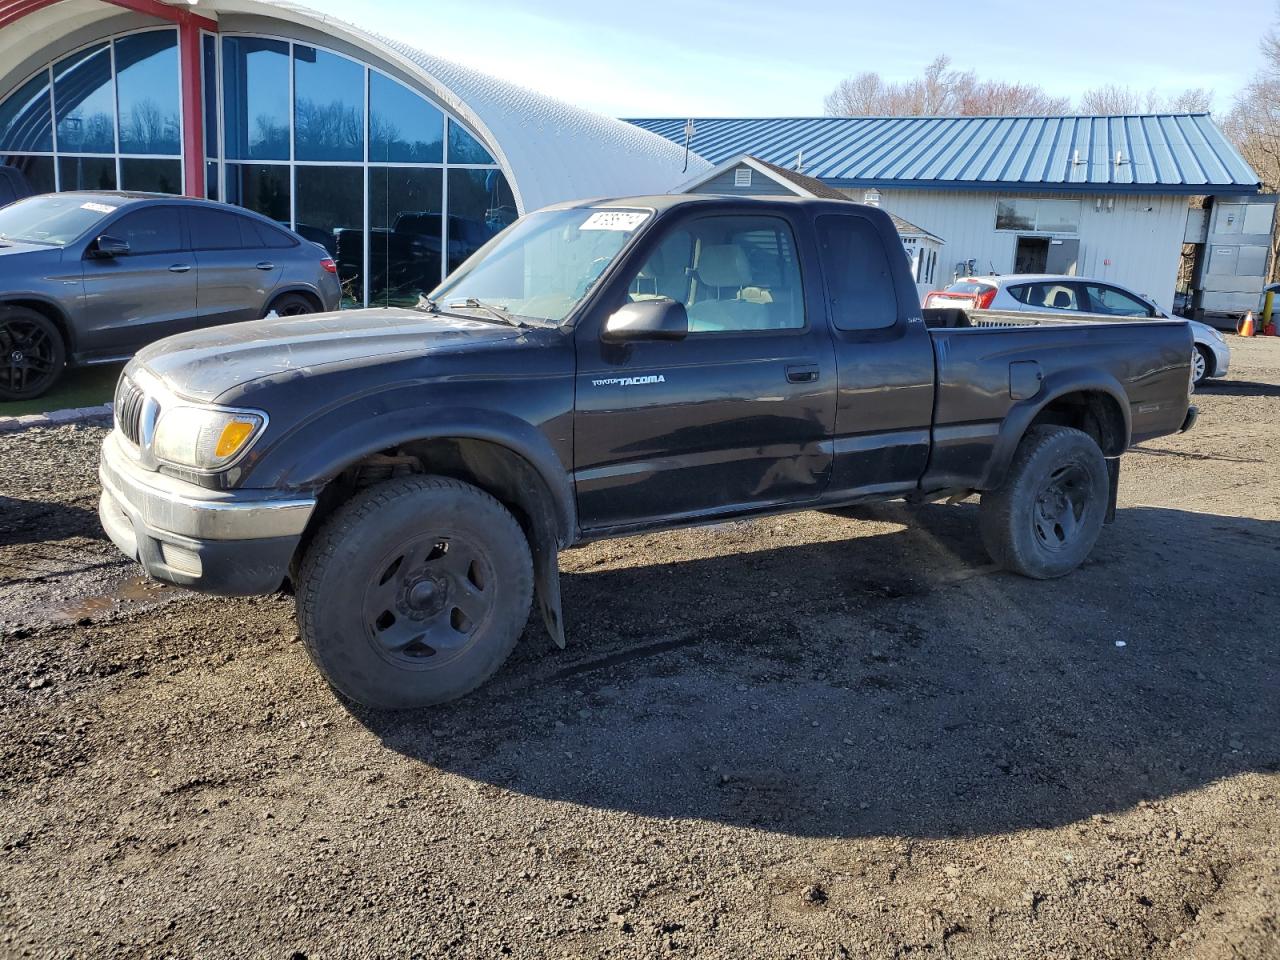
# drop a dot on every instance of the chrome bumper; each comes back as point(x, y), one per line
point(220, 541)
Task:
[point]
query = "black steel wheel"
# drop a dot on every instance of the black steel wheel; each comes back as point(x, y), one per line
point(32, 354)
point(1045, 518)
point(428, 600)
point(414, 592)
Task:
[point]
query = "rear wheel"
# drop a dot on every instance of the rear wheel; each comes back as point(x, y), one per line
point(1043, 521)
point(32, 354)
point(414, 592)
point(292, 305)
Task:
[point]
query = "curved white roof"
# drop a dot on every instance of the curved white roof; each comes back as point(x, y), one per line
point(549, 150)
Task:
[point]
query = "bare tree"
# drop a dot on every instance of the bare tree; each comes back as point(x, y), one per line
point(1113, 100)
point(1254, 126)
point(939, 91)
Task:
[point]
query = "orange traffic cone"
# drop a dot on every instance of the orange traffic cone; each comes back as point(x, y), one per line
point(1247, 327)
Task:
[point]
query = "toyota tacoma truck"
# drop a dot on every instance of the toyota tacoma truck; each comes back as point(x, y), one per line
point(598, 369)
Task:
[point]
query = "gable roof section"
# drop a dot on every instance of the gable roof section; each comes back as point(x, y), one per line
point(1157, 153)
point(799, 184)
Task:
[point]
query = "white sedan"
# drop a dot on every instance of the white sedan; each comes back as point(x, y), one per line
point(1045, 293)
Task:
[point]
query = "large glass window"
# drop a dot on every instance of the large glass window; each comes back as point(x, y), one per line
point(84, 99)
point(151, 176)
point(378, 174)
point(86, 173)
point(37, 170)
point(464, 148)
point(255, 88)
point(24, 118)
point(146, 64)
point(480, 204)
point(403, 128)
point(1040, 216)
point(262, 187)
point(406, 234)
point(328, 106)
point(209, 78)
point(329, 209)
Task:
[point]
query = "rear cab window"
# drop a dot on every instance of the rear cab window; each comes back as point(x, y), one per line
point(860, 287)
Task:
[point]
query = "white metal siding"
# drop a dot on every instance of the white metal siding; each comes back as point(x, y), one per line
point(1136, 243)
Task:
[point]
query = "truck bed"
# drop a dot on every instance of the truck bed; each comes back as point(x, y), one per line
point(988, 359)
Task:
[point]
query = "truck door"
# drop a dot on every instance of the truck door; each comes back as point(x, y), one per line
point(738, 414)
point(884, 406)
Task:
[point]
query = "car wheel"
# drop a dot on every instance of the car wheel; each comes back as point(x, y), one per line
point(1200, 364)
point(1044, 519)
point(414, 592)
point(32, 354)
point(291, 305)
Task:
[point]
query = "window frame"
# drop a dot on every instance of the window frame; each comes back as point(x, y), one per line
point(665, 231)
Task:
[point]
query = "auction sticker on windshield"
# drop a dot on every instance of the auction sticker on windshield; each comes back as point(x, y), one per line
point(97, 207)
point(621, 220)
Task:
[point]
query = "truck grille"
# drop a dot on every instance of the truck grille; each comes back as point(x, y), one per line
point(129, 403)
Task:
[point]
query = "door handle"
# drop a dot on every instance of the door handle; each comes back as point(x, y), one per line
point(802, 373)
point(180, 268)
point(266, 265)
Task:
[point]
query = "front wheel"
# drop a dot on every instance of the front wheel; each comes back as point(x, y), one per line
point(1044, 519)
point(1200, 365)
point(32, 354)
point(414, 592)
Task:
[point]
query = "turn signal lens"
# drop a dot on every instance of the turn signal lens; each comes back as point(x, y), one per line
point(328, 265)
point(232, 438)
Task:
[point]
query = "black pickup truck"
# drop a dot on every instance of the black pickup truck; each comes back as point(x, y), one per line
point(597, 369)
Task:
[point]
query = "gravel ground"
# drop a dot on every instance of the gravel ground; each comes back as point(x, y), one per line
point(809, 736)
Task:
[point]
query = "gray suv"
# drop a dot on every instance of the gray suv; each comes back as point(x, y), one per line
point(93, 277)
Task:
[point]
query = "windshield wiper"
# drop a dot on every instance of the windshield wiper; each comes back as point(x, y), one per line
point(499, 314)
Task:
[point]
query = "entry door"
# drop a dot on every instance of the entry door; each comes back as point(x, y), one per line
point(237, 273)
point(737, 415)
point(1062, 258)
point(144, 295)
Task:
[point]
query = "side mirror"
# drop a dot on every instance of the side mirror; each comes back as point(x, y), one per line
point(108, 247)
point(661, 319)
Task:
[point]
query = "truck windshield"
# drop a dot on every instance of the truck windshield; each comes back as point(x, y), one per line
point(55, 219)
point(542, 265)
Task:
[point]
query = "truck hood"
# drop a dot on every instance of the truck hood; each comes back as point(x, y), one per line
point(204, 364)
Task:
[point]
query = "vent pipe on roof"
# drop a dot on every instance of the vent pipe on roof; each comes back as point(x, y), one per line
point(799, 161)
point(1075, 158)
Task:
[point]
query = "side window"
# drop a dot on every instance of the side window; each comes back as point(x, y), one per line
point(250, 239)
point(731, 273)
point(152, 230)
point(270, 236)
point(214, 229)
point(1116, 302)
point(859, 278)
point(1047, 296)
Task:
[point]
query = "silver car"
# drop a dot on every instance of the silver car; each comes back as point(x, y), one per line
point(1049, 293)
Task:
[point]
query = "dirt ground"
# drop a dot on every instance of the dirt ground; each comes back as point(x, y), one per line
point(809, 736)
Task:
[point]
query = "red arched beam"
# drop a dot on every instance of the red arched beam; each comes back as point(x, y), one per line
point(192, 81)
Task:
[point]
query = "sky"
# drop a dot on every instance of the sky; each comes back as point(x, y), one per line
point(649, 58)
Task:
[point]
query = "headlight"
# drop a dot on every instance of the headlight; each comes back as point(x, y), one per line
point(204, 438)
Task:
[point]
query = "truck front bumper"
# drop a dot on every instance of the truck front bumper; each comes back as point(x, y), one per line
point(231, 542)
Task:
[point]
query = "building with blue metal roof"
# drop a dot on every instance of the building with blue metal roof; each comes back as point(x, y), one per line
point(1097, 196)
